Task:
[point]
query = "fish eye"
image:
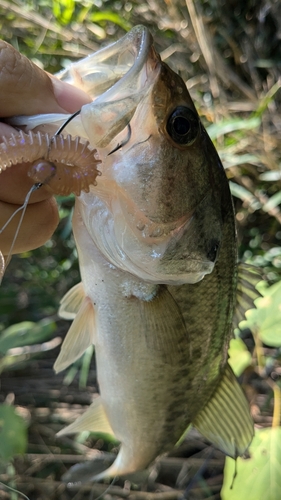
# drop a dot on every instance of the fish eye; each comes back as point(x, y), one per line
point(183, 125)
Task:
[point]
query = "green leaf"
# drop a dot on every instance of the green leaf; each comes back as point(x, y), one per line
point(244, 195)
point(63, 10)
point(26, 333)
point(86, 361)
point(265, 320)
point(113, 17)
point(273, 175)
point(13, 433)
point(273, 202)
point(231, 159)
point(226, 126)
point(239, 356)
point(258, 478)
point(267, 99)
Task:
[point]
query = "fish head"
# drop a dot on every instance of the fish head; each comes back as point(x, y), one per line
point(157, 210)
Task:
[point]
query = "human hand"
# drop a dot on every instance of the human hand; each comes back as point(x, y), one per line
point(25, 89)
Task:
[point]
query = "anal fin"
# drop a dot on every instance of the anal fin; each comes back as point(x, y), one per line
point(94, 419)
point(226, 419)
point(71, 302)
point(79, 337)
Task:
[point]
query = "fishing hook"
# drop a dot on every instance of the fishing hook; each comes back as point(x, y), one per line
point(119, 146)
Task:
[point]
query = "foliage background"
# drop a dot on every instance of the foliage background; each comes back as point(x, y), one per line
point(229, 54)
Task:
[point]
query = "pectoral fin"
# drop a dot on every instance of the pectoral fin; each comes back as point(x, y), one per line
point(94, 419)
point(79, 337)
point(71, 302)
point(163, 317)
point(226, 419)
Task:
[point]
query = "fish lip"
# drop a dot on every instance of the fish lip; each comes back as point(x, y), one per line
point(189, 278)
point(141, 42)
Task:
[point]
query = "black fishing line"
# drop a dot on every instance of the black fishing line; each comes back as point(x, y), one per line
point(60, 129)
point(119, 146)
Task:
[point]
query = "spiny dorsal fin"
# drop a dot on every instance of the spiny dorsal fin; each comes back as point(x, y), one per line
point(71, 302)
point(94, 420)
point(226, 419)
point(79, 337)
point(248, 277)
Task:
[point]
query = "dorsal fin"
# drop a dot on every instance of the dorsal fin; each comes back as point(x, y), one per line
point(248, 277)
point(71, 301)
point(79, 337)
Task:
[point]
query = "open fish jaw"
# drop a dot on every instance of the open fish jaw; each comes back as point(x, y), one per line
point(121, 73)
point(114, 71)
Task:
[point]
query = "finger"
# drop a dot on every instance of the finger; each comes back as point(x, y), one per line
point(15, 184)
point(25, 89)
point(39, 223)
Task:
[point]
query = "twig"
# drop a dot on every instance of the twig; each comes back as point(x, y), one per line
point(97, 489)
point(205, 47)
point(215, 63)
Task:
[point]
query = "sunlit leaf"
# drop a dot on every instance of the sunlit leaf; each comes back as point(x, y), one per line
point(230, 160)
point(13, 433)
point(63, 10)
point(265, 320)
point(244, 195)
point(86, 361)
point(239, 356)
point(265, 101)
point(273, 175)
point(113, 17)
point(273, 202)
point(226, 126)
point(258, 478)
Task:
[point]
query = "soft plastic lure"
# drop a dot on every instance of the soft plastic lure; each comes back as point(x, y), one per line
point(64, 164)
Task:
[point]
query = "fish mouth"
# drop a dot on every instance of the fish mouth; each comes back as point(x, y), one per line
point(118, 78)
point(115, 71)
point(139, 59)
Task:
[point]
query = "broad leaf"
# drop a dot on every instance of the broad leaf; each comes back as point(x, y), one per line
point(239, 356)
point(13, 433)
point(26, 333)
point(259, 477)
point(265, 320)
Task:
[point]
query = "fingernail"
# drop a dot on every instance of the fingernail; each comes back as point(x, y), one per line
point(68, 97)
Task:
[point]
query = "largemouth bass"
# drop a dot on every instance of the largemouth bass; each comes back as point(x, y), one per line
point(158, 257)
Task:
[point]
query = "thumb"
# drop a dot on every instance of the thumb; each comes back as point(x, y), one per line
point(25, 89)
